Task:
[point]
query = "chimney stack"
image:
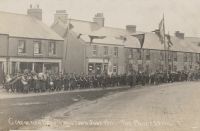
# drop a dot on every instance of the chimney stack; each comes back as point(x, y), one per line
point(61, 15)
point(99, 19)
point(131, 28)
point(179, 35)
point(35, 12)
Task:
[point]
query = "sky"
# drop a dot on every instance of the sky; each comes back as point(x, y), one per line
point(180, 15)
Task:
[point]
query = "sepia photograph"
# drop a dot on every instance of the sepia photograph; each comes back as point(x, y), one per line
point(99, 65)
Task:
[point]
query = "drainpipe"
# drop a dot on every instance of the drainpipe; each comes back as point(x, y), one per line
point(7, 56)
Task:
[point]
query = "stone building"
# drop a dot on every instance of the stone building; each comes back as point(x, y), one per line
point(119, 52)
point(182, 55)
point(27, 43)
point(101, 55)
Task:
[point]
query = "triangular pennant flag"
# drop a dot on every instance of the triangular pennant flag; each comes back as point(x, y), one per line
point(157, 32)
point(141, 38)
point(71, 26)
point(92, 37)
point(79, 36)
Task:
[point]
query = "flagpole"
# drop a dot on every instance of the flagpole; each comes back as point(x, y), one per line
point(165, 44)
point(169, 54)
point(67, 42)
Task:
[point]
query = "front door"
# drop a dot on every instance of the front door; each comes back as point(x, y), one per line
point(38, 67)
point(98, 68)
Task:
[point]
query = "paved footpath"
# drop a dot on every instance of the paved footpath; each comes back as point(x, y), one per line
point(167, 107)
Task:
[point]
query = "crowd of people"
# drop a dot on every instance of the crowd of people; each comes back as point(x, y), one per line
point(43, 82)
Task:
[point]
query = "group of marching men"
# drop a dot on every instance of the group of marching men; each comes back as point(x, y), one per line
point(42, 82)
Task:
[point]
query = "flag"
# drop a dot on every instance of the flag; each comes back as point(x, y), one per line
point(92, 37)
point(157, 32)
point(162, 29)
point(141, 38)
point(160, 32)
point(79, 36)
point(121, 38)
point(169, 42)
point(68, 28)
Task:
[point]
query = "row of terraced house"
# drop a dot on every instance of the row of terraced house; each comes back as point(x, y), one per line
point(27, 43)
point(119, 52)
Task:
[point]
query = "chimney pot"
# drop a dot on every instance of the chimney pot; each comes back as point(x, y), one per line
point(61, 15)
point(35, 12)
point(179, 35)
point(99, 19)
point(131, 28)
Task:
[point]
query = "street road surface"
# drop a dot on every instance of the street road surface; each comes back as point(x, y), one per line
point(167, 107)
point(18, 108)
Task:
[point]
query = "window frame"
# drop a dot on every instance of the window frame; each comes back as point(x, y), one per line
point(170, 56)
point(148, 54)
point(24, 47)
point(94, 50)
point(116, 51)
point(39, 46)
point(197, 57)
point(115, 67)
point(139, 54)
point(185, 57)
point(174, 68)
point(175, 56)
point(130, 53)
point(191, 57)
point(106, 50)
point(162, 56)
point(52, 51)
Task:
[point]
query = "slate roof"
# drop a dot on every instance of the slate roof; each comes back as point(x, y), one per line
point(19, 25)
point(194, 43)
point(151, 39)
point(152, 42)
